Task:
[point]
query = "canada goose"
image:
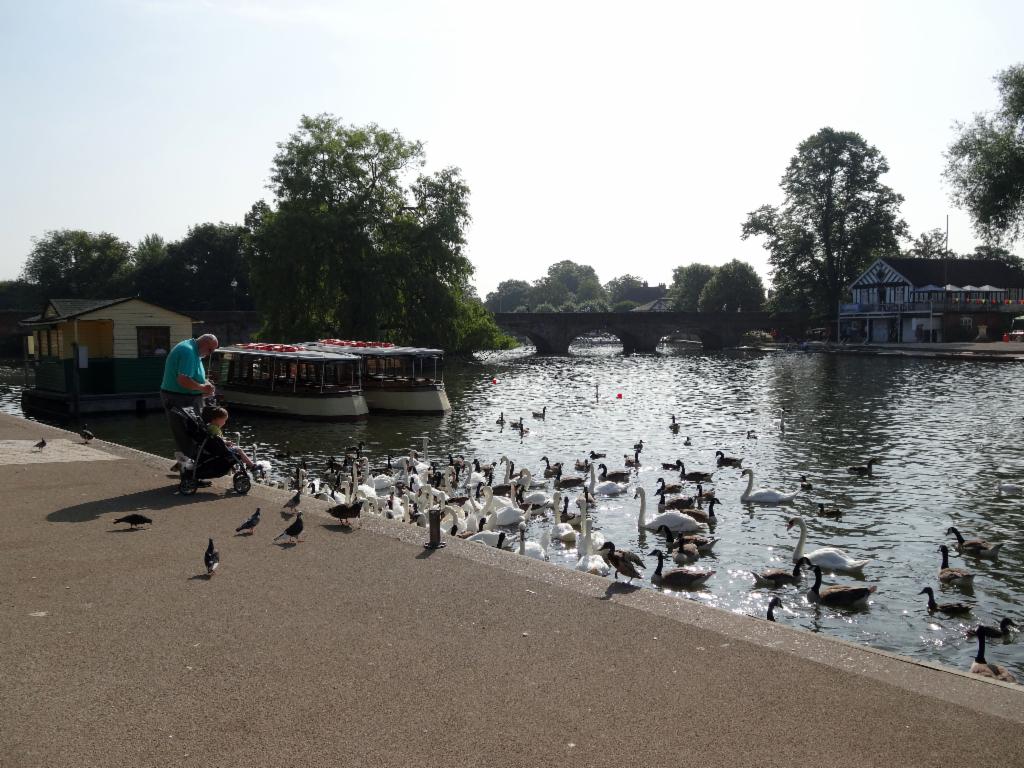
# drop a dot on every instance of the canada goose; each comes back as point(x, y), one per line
point(615, 476)
point(804, 484)
point(824, 511)
point(1003, 630)
point(686, 552)
point(501, 418)
point(983, 668)
point(775, 603)
point(703, 544)
point(829, 558)
point(622, 561)
point(674, 426)
point(638, 446)
point(673, 488)
point(727, 461)
point(773, 578)
point(956, 576)
point(678, 578)
point(975, 547)
point(551, 470)
point(838, 595)
point(951, 609)
point(864, 469)
point(674, 465)
point(764, 495)
point(687, 441)
point(631, 462)
point(708, 518)
point(751, 434)
point(679, 502)
point(594, 456)
point(541, 414)
point(674, 520)
point(695, 476)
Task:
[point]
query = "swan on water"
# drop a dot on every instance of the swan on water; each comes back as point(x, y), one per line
point(829, 558)
point(764, 495)
point(674, 520)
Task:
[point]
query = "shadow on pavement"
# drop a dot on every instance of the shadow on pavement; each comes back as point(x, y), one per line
point(149, 500)
point(619, 588)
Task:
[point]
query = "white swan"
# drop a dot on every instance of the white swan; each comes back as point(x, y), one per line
point(564, 532)
point(589, 562)
point(764, 495)
point(536, 550)
point(501, 514)
point(828, 558)
point(605, 487)
point(673, 519)
point(534, 498)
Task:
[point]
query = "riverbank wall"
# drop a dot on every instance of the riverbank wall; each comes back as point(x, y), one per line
point(359, 647)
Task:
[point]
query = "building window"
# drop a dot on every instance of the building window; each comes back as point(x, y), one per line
point(154, 340)
point(966, 322)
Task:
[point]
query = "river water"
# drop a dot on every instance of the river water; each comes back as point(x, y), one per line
point(943, 431)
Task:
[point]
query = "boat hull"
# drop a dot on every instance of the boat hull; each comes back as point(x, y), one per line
point(335, 407)
point(408, 400)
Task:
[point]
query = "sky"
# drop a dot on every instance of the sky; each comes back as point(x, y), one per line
point(634, 137)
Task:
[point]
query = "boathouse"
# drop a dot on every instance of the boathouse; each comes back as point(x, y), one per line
point(97, 355)
point(940, 300)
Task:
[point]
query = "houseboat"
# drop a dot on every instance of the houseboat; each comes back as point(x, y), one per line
point(398, 379)
point(289, 380)
point(99, 355)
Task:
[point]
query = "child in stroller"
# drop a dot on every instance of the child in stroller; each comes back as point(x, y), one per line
point(210, 456)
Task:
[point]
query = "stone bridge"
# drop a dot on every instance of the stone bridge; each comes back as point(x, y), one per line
point(553, 332)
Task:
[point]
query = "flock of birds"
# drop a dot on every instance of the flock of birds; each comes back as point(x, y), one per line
point(472, 504)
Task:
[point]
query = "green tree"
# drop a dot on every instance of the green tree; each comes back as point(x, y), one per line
point(624, 306)
point(621, 288)
point(735, 286)
point(985, 163)
point(352, 248)
point(548, 291)
point(836, 217)
point(930, 245)
point(19, 294)
point(508, 295)
point(997, 253)
point(74, 264)
point(687, 283)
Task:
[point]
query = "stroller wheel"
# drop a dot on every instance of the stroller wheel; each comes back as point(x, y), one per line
point(242, 483)
point(187, 487)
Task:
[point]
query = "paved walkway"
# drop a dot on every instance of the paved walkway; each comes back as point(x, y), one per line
point(360, 649)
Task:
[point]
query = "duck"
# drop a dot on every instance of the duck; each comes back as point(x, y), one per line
point(541, 414)
point(982, 668)
point(588, 562)
point(830, 558)
point(773, 578)
point(678, 578)
point(708, 518)
point(582, 465)
point(670, 488)
point(727, 461)
point(614, 475)
point(703, 544)
point(863, 470)
point(607, 486)
point(975, 547)
point(687, 442)
point(838, 595)
point(594, 455)
point(622, 561)
point(764, 495)
point(772, 605)
point(834, 512)
point(674, 426)
point(950, 609)
point(751, 434)
point(674, 520)
point(534, 549)
point(695, 476)
point(955, 576)
point(632, 462)
point(672, 465)
point(804, 484)
point(1003, 630)
point(1009, 489)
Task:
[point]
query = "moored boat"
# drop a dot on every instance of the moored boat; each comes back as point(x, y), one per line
point(289, 380)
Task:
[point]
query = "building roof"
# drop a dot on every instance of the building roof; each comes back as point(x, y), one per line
point(59, 310)
point(957, 272)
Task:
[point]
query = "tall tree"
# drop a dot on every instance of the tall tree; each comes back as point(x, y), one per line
point(997, 253)
point(985, 163)
point(622, 288)
point(734, 286)
point(74, 264)
point(930, 245)
point(687, 283)
point(351, 247)
point(837, 215)
point(508, 295)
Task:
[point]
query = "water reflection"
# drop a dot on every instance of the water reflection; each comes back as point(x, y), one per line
point(944, 432)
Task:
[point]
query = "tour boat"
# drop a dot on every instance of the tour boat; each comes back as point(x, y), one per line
point(401, 379)
point(289, 380)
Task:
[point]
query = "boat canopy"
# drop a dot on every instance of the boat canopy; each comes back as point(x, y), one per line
point(290, 352)
point(375, 349)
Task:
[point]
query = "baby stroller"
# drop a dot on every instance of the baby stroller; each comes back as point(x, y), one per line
point(210, 456)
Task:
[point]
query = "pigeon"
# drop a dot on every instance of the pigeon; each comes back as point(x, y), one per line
point(344, 512)
point(292, 504)
point(294, 530)
point(86, 435)
point(134, 519)
point(40, 445)
point(250, 524)
point(211, 559)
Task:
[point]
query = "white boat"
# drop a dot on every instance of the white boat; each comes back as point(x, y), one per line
point(289, 380)
point(402, 379)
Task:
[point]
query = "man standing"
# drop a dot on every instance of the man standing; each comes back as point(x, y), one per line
point(184, 384)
